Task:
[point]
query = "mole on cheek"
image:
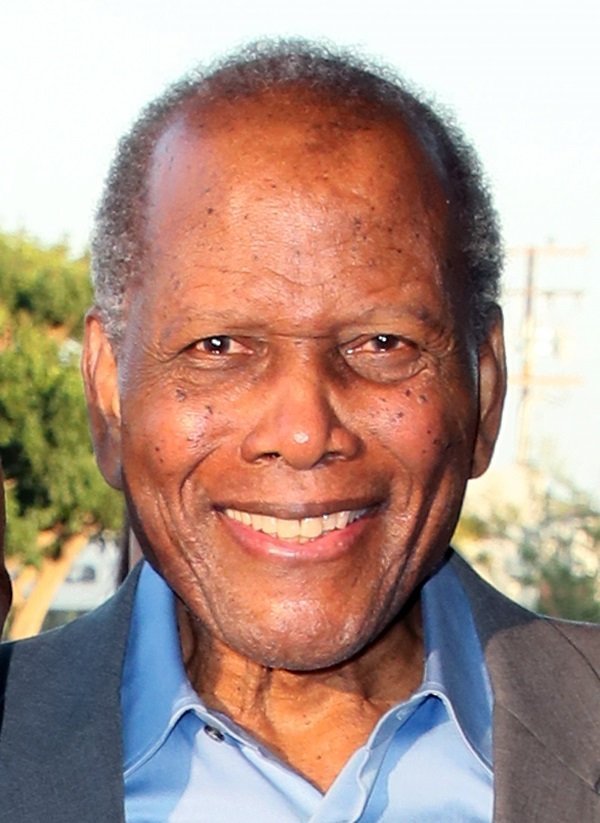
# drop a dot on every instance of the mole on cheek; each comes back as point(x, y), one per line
point(199, 425)
point(180, 394)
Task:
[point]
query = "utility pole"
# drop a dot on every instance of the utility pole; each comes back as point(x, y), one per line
point(526, 377)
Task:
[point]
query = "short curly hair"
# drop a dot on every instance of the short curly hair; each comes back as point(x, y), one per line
point(118, 246)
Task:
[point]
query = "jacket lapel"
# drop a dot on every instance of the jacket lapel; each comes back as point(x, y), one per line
point(62, 720)
point(546, 711)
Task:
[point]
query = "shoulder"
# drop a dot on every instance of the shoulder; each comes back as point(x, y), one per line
point(24, 663)
point(583, 638)
point(70, 654)
point(507, 628)
point(60, 712)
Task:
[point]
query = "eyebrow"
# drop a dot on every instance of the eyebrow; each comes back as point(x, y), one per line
point(217, 321)
point(416, 311)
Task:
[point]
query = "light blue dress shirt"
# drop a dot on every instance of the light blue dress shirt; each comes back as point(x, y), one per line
point(428, 760)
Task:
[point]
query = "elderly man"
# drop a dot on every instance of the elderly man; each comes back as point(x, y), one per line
point(294, 364)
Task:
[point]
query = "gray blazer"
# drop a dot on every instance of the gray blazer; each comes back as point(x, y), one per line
point(60, 738)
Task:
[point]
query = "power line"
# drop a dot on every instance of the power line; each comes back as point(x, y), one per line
point(527, 378)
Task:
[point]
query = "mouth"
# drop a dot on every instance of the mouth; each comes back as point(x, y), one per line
point(298, 530)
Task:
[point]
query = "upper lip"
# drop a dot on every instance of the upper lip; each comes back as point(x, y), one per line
point(296, 510)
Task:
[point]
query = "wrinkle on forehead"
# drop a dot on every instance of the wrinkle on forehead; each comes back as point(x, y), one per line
point(277, 138)
point(278, 189)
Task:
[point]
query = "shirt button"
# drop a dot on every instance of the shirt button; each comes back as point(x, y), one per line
point(214, 734)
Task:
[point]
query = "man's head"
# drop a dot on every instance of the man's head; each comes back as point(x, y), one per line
point(303, 382)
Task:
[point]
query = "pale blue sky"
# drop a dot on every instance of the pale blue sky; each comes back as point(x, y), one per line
point(521, 76)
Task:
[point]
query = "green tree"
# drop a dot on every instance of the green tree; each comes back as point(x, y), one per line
point(556, 547)
point(562, 555)
point(564, 592)
point(56, 497)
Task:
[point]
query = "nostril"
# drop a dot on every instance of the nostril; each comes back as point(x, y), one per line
point(332, 456)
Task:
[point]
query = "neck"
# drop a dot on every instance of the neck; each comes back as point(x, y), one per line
point(313, 720)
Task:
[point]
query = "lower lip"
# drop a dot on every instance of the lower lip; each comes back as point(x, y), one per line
point(329, 546)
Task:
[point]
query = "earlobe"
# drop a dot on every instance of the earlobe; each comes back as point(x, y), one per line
point(492, 389)
point(99, 370)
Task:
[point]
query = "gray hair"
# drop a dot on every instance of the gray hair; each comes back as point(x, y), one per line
point(118, 251)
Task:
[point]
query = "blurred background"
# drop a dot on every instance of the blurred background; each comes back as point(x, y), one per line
point(521, 79)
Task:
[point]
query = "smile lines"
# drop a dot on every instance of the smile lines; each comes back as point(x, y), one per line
point(301, 531)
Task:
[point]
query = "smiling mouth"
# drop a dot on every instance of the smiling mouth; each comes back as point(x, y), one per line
point(298, 530)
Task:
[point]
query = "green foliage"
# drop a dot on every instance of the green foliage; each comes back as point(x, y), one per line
point(569, 530)
point(45, 283)
point(554, 546)
point(553, 552)
point(472, 527)
point(52, 479)
point(566, 593)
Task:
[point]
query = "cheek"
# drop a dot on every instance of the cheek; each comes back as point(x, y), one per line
point(171, 433)
point(421, 429)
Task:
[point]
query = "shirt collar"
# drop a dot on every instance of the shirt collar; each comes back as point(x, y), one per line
point(154, 687)
point(454, 662)
point(155, 690)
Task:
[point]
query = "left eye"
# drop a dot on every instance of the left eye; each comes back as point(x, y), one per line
point(382, 342)
point(384, 357)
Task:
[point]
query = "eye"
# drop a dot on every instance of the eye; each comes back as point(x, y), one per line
point(218, 351)
point(383, 357)
point(219, 344)
point(383, 342)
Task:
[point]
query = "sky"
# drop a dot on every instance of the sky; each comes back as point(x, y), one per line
point(521, 78)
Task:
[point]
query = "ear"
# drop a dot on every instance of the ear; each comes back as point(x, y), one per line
point(100, 378)
point(492, 388)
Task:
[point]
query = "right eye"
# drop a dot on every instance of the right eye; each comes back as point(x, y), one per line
point(218, 351)
point(219, 344)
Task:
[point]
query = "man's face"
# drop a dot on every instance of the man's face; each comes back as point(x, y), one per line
point(297, 408)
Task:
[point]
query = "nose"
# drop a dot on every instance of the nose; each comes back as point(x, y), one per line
point(299, 425)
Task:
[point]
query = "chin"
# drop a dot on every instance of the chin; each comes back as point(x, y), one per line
point(300, 652)
point(301, 662)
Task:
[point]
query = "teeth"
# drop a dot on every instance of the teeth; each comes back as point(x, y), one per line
point(311, 527)
point(300, 530)
point(269, 524)
point(341, 519)
point(288, 529)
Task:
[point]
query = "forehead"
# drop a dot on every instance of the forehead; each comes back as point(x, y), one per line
point(284, 144)
point(288, 193)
